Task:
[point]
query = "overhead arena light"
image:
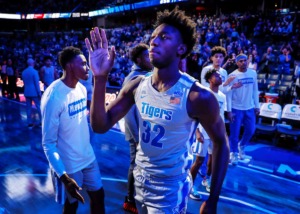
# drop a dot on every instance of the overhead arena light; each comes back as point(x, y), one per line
point(9, 16)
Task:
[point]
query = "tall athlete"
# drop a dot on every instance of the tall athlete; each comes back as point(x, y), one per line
point(170, 104)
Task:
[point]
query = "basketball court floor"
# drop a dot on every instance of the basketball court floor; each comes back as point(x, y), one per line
point(269, 182)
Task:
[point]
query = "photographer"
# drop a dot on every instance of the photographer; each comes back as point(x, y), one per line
point(230, 64)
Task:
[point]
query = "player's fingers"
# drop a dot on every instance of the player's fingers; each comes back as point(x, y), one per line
point(98, 38)
point(79, 197)
point(112, 55)
point(88, 45)
point(104, 39)
point(93, 39)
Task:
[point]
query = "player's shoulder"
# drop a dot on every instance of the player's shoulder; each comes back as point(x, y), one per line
point(199, 93)
point(132, 84)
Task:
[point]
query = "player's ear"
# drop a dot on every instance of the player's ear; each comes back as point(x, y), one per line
point(181, 49)
point(69, 66)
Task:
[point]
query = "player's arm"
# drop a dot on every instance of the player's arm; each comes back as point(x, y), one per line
point(204, 107)
point(104, 117)
point(50, 120)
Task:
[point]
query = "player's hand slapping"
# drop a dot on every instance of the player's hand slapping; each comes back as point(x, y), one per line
point(101, 59)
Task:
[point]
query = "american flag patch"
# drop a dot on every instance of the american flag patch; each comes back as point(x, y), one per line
point(175, 100)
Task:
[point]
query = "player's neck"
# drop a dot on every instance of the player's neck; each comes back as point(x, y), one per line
point(69, 81)
point(163, 79)
point(214, 88)
point(217, 67)
point(242, 70)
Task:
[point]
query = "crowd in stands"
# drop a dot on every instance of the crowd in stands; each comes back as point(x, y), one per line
point(272, 44)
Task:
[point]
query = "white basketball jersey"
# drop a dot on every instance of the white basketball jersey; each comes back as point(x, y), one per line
point(166, 130)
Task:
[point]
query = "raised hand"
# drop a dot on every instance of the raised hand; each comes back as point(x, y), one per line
point(100, 58)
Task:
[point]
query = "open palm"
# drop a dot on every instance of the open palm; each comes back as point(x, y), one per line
point(100, 58)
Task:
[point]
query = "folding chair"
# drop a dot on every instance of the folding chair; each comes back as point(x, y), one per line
point(269, 116)
point(289, 125)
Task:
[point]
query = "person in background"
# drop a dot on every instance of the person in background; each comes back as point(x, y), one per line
point(32, 91)
point(4, 79)
point(203, 144)
point(170, 104)
point(268, 61)
point(284, 62)
point(48, 72)
point(230, 64)
point(12, 76)
point(140, 57)
point(252, 64)
point(217, 57)
point(243, 106)
point(297, 82)
point(66, 136)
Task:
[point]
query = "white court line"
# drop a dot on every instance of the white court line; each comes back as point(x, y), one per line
point(260, 168)
point(15, 149)
point(24, 175)
point(271, 175)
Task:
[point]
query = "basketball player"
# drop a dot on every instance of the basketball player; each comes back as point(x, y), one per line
point(203, 145)
point(170, 104)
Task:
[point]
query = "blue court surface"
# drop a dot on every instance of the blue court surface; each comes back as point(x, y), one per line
point(268, 182)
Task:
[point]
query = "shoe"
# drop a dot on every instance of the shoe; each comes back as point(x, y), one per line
point(234, 158)
point(30, 126)
point(242, 154)
point(130, 206)
point(208, 182)
point(204, 181)
point(195, 195)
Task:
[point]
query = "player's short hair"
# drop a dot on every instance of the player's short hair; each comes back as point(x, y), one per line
point(209, 73)
point(68, 54)
point(136, 51)
point(218, 49)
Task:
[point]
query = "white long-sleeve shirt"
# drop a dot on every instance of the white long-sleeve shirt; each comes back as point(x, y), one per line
point(245, 97)
point(65, 130)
